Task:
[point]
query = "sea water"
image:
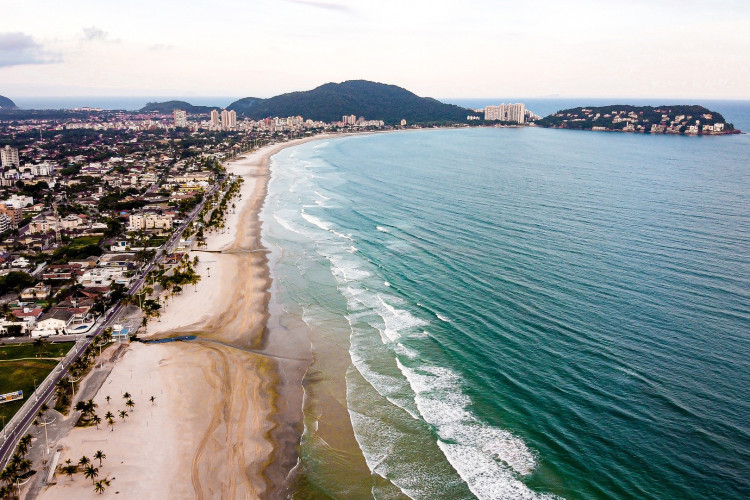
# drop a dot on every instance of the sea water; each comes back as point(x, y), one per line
point(526, 313)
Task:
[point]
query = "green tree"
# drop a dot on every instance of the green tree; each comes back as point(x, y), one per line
point(99, 487)
point(91, 472)
point(99, 455)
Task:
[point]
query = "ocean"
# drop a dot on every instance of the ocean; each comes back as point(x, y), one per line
point(519, 313)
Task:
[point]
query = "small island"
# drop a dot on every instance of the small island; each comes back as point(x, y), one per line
point(674, 119)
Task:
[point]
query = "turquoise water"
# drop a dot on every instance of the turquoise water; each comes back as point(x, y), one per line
point(530, 312)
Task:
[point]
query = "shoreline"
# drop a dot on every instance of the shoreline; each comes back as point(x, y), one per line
point(237, 387)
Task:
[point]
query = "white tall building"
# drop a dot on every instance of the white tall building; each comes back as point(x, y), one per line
point(180, 118)
point(228, 119)
point(9, 157)
point(506, 112)
point(214, 118)
point(496, 112)
point(516, 112)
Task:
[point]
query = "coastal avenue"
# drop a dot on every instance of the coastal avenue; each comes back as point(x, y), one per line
point(43, 394)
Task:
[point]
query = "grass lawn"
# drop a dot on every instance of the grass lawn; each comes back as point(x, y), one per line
point(84, 241)
point(20, 366)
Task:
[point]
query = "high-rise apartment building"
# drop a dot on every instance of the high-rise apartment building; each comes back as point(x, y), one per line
point(180, 118)
point(516, 112)
point(9, 157)
point(228, 119)
point(496, 112)
point(506, 113)
point(214, 118)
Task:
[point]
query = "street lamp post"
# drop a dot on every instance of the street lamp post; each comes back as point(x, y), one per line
point(73, 383)
point(18, 484)
point(45, 423)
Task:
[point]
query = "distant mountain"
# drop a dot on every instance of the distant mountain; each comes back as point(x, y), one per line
point(169, 106)
point(6, 103)
point(374, 101)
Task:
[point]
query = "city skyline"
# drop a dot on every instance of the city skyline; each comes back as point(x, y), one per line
point(643, 49)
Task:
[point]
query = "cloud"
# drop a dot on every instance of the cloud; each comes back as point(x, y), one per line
point(92, 33)
point(19, 48)
point(322, 5)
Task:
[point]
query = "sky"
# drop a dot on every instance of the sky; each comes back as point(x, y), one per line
point(437, 48)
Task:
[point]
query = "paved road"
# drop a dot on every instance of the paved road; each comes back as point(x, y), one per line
point(20, 423)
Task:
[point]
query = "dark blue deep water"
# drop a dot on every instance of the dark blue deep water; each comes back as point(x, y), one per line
point(531, 312)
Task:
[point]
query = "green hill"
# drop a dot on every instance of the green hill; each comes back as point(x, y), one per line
point(6, 103)
point(169, 106)
point(655, 119)
point(374, 101)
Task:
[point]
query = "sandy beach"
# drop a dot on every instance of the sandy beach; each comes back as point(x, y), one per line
point(227, 414)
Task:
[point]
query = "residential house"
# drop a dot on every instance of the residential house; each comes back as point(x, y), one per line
point(53, 323)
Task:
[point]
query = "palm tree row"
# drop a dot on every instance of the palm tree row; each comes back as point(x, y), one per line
point(172, 282)
point(217, 210)
point(18, 468)
point(64, 390)
point(89, 470)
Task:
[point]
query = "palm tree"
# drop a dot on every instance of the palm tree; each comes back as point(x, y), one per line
point(23, 444)
point(69, 470)
point(127, 395)
point(84, 461)
point(130, 404)
point(7, 475)
point(152, 399)
point(99, 455)
point(111, 423)
point(99, 487)
point(97, 420)
point(107, 398)
point(123, 414)
point(91, 472)
point(24, 465)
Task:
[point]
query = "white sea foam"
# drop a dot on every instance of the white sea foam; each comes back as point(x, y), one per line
point(442, 318)
point(286, 224)
point(485, 477)
point(324, 197)
point(382, 229)
point(386, 284)
point(326, 226)
point(407, 351)
point(346, 269)
point(486, 457)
